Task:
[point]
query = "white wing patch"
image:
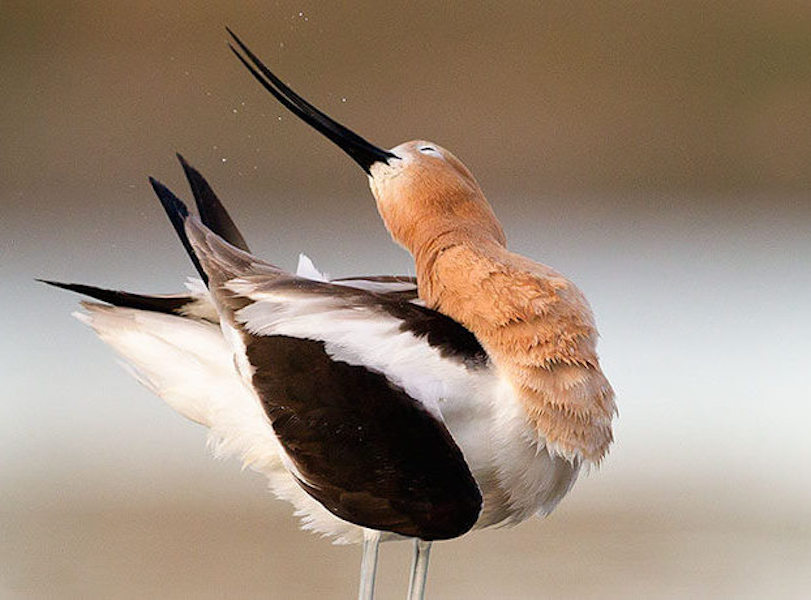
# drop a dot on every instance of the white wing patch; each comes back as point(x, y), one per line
point(359, 335)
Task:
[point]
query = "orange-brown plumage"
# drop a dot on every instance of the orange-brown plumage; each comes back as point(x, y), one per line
point(535, 324)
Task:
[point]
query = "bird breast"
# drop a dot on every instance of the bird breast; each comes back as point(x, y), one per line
point(539, 332)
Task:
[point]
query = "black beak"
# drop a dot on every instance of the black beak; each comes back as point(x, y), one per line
point(361, 151)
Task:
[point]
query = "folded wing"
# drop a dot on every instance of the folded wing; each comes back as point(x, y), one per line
point(351, 390)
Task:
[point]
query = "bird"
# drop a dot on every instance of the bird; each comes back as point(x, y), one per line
point(381, 407)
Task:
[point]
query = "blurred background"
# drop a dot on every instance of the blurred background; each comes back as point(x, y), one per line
point(658, 153)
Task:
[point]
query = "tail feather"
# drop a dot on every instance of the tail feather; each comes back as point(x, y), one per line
point(212, 212)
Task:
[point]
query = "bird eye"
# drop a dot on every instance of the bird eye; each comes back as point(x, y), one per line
point(429, 150)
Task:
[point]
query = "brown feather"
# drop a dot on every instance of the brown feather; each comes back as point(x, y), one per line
point(535, 324)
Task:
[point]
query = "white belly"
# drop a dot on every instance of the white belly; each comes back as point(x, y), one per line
point(516, 474)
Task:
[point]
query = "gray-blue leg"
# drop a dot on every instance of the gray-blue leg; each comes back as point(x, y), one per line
point(419, 570)
point(368, 564)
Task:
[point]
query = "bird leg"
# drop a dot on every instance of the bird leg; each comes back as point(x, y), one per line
point(368, 564)
point(419, 570)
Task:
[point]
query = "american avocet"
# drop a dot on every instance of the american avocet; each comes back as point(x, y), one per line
point(380, 407)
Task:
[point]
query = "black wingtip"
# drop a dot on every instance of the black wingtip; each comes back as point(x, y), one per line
point(164, 304)
point(184, 163)
point(212, 212)
point(59, 284)
point(173, 205)
point(177, 213)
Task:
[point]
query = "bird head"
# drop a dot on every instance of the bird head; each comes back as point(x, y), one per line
point(423, 192)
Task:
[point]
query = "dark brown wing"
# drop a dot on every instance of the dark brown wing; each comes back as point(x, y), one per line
point(362, 447)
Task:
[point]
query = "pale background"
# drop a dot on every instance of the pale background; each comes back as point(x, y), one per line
point(659, 153)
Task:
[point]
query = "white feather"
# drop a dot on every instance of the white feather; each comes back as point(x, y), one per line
point(360, 336)
point(307, 269)
point(190, 365)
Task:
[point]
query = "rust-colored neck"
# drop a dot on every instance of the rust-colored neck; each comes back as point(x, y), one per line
point(537, 329)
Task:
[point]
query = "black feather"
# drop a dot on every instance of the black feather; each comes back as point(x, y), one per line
point(212, 212)
point(164, 304)
point(178, 213)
